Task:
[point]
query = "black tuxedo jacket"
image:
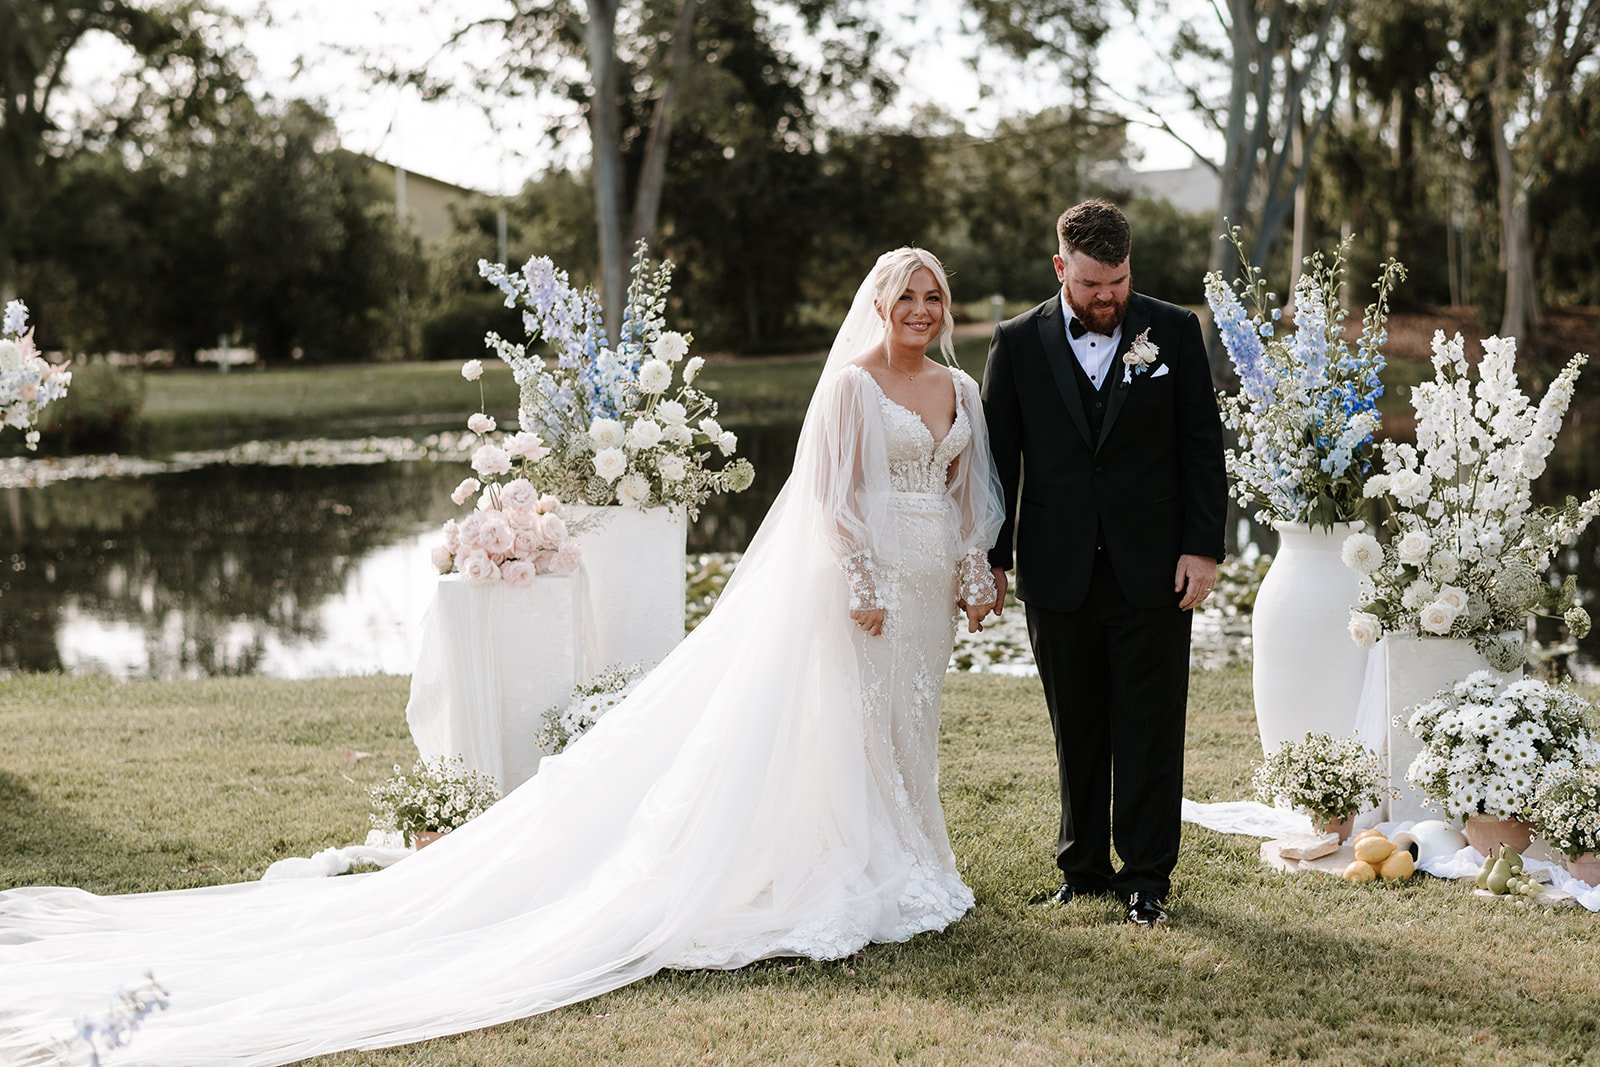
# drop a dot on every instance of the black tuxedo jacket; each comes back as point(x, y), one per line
point(1153, 485)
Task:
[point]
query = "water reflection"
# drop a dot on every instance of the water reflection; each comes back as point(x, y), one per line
point(301, 572)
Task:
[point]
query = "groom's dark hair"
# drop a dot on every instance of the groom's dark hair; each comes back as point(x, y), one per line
point(1098, 229)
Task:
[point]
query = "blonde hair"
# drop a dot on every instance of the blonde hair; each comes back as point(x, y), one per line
point(894, 274)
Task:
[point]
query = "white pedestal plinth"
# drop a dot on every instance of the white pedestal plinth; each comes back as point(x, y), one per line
point(633, 585)
point(1418, 668)
point(493, 659)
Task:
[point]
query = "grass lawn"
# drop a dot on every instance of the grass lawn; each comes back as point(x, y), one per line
point(150, 785)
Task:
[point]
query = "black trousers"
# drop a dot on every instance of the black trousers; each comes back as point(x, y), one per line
point(1116, 680)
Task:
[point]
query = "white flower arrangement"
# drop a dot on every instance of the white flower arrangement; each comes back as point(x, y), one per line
point(1467, 548)
point(28, 382)
point(565, 723)
point(623, 423)
point(514, 533)
point(435, 796)
point(1487, 745)
point(1566, 810)
point(1330, 780)
point(1307, 406)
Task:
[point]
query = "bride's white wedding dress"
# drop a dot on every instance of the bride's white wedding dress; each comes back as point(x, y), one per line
point(770, 789)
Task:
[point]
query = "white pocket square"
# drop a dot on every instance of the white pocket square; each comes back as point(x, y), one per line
point(1159, 371)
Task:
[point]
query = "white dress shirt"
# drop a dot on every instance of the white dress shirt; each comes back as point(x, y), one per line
point(1094, 350)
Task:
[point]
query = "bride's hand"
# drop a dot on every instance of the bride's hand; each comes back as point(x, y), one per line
point(870, 621)
point(976, 613)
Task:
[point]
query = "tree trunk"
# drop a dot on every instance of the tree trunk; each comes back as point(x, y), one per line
point(606, 136)
point(1516, 234)
point(652, 175)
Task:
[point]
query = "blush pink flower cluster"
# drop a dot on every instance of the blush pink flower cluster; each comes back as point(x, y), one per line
point(513, 535)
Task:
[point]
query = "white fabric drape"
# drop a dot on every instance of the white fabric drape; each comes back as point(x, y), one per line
point(726, 810)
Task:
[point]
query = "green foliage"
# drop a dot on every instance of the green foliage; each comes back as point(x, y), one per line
point(100, 413)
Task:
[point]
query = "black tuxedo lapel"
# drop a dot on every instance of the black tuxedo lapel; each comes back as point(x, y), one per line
point(1137, 320)
point(1053, 335)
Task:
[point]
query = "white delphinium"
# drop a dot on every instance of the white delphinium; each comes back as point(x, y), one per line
point(1468, 544)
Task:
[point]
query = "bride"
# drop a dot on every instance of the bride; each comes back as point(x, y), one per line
point(770, 789)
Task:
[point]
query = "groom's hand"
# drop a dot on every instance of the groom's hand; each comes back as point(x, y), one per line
point(999, 589)
point(1197, 576)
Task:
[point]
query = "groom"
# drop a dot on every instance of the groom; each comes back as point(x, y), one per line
point(1103, 420)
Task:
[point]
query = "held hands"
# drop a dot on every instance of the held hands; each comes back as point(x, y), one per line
point(976, 613)
point(870, 621)
point(1196, 577)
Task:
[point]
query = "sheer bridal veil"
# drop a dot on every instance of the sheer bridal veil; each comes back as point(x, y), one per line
point(718, 815)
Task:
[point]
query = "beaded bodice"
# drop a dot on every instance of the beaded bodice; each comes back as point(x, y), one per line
point(917, 462)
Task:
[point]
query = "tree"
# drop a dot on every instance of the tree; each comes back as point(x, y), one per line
point(34, 52)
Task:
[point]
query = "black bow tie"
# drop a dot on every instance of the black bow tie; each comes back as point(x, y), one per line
point(1076, 328)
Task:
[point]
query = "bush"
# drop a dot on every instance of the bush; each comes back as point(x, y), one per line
point(455, 330)
point(100, 413)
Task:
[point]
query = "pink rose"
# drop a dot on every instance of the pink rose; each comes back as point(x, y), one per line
point(452, 535)
point(481, 423)
point(542, 561)
point(477, 567)
point(518, 493)
point(523, 519)
point(526, 544)
point(567, 559)
point(443, 559)
point(488, 460)
point(548, 505)
point(517, 572)
point(552, 529)
point(470, 532)
point(495, 535)
point(462, 492)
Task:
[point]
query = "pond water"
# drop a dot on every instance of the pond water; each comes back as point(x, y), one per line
point(247, 564)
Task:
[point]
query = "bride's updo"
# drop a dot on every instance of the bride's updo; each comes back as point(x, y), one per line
point(894, 273)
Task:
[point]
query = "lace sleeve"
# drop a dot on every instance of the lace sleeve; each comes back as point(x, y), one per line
point(976, 580)
point(860, 574)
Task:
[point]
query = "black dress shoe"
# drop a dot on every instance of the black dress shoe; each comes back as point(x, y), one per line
point(1068, 893)
point(1146, 910)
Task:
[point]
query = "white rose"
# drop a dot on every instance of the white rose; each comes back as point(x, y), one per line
point(692, 368)
point(472, 369)
point(633, 490)
point(489, 460)
point(672, 467)
point(605, 433)
point(443, 558)
point(670, 346)
point(1453, 597)
point(654, 376)
point(1413, 547)
point(710, 427)
point(645, 433)
point(672, 413)
point(463, 492)
point(1365, 629)
point(1437, 618)
point(1362, 553)
point(1408, 487)
point(609, 463)
point(727, 441)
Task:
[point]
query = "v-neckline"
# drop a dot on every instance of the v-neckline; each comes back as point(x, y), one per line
point(938, 442)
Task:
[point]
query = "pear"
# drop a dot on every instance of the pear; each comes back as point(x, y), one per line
point(1514, 858)
point(1499, 876)
point(1482, 881)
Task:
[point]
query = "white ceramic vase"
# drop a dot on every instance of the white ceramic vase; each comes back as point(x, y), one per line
point(1308, 672)
point(1415, 670)
point(633, 575)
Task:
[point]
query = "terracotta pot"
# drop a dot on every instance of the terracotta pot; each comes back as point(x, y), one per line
point(423, 838)
point(1585, 868)
point(1485, 832)
point(1343, 827)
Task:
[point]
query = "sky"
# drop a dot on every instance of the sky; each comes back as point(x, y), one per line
point(303, 48)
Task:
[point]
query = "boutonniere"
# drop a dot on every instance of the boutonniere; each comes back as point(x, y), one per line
point(1140, 357)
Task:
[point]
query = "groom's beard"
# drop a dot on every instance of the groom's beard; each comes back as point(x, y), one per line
point(1099, 317)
